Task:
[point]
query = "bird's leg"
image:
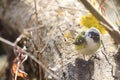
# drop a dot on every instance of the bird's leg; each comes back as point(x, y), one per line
point(94, 57)
point(84, 57)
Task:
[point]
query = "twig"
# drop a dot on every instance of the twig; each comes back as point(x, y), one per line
point(104, 53)
point(70, 8)
point(103, 45)
point(106, 57)
point(38, 42)
point(18, 64)
point(18, 39)
point(31, 56)
point(33, 28)
point(112, 70)
point(46, 44)
point(37, 32)
point(103, 24)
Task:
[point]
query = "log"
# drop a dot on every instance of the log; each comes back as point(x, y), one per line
point(58, 54)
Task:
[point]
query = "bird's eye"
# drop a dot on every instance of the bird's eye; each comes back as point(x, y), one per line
point(89, 35)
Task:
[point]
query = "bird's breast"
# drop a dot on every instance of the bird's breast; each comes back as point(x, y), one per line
point(90, 48)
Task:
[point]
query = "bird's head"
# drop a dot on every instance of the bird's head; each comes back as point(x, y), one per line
point(93, 34)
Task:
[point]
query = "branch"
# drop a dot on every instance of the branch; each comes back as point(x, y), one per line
point(31, 56)
point(109, 27)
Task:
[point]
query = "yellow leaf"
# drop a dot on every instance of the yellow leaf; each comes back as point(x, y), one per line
point(89, 21)
point(69, 34)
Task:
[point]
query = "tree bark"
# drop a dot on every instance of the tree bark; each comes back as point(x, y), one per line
point(58, 54)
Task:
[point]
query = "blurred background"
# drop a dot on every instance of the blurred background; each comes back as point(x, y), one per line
point(46, 29)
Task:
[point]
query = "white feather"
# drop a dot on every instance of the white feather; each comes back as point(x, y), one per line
point(92, 46)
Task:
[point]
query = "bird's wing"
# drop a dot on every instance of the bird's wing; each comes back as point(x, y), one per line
point(80, 39)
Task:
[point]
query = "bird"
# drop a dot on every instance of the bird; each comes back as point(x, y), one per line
point(87, 43)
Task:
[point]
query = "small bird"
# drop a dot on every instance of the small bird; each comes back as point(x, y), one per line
point(87, 43)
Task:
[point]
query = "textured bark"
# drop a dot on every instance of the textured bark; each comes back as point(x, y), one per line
point(59, 54)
